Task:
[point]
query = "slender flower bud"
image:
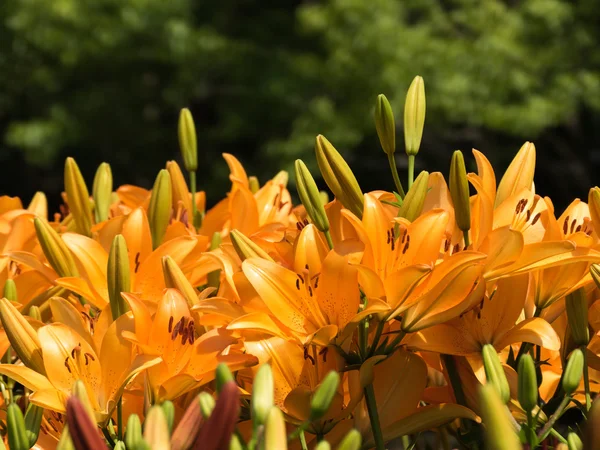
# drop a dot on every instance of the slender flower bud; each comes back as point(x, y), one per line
point(414, 116)
point(133, 436)
point(574, 441)
point(214, 278)
point(281, 178)
point(33, 422)
point(594, 205)
point(591, 437)
point(324, 197)
point(65, 442)
point(573, 373)
point(459, 191)
point(119, 445)
point(187, 140)
point(22, 336)
point(499, 433)
point(495, 373)
point(322, 398)
point(10, 290)
point(262, 394)
point(246, 248)
point(17, 433)
point(338, 176)
point(275, 435)
point(39, 205)
point(102, 192)
point(324, 445)
point(188, 428)
point(577, 315)
point(181, 193)
point(528, 388)
point(595, 273)
point(169, 412)
point(78, 198)
point(78, 390)
point(57, 253)
point(118, 276)
point(34, 313)
point(174, 278)
point(253, 184)
point(310, 197)
point(207, 404)
point(223, 375)
point(415, 198)
point(159, 211)
point(84, 433)
point(156, 429)
point(385, 124)
point(351, 441)
point(216, 433)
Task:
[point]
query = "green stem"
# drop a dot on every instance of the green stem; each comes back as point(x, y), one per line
point(392, 346)
point(329, 240)
point(303, 441)
point(455, 382)
point(375, 342)
point(558, 436)
point(466, 236)
point(544, 432)
point(586, 379)
point(120, 419)
point(526, 346)
point(411, 170)
point(193, 190)
point(397, 181)
point(374, 417)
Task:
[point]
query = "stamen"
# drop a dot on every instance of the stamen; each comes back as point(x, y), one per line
point(566, 225)
point(297, 284)
point(310, 291)
point(137, 262)
point(170, 324)
point(573, 225)
point(536, 218)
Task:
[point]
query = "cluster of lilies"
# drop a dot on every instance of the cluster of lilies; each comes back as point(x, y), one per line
point(455, 300)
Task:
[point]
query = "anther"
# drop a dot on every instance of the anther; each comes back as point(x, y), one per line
point(536, 218)
point(170, 324)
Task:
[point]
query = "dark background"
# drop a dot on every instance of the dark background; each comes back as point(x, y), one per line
point(103, 80)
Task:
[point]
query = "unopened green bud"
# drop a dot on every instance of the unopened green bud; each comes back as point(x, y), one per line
point(528, 388)
point(246, 248)
point(338, 176)
point(180, 191)
point(385, 124)
point(78, 198)
point(133, 435)
point(118, 276)
point(169, 411)
point(187, 140)
point(33, 422)
point(595, 273)
point(174, 278)
point(187, 429)
point(214, 277)
point(415, 198)
point(459, 191)
point(235, 443)
point(310, 197)
point(323, 397)
point(159, 211)
point(207, 404)
point(10, 290)
point(262, 394)
point(495, 373)
point(57, 253)
point(102, 192)
point(275, 435)
point(34, 313)
point(573, 373)
point(39, 205)
point(499, 433)
point(414, 116)
point(574, 441)
point(577, 315)
point(594, 205)
point(253, 184)
point(119, 445)
point(17, 433)
point(351, 441)
point(223, 375)
point(156, 429)
point(324, 197)
point(323, 445)
point(591, 436)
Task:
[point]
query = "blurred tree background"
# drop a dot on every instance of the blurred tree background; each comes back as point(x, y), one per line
point(103, 80)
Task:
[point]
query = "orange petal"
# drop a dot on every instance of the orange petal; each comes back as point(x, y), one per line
point(535, 330)
point(519, 174)
point(237, 170)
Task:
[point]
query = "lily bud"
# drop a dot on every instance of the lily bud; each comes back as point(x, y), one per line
point(34, 313)
point(574, 441)
point(323, 445)
point(169, 412)
point(39, 205)
point(310, 197)
point(322, 398)
point(495, 373)
point(577, 315)
point(181, 193)
point(78, 198)
point(262, 394)
point(594, 205)
point(102, 192)
point(281, 178)
point(78, 390)
point(187, 140)
point(324, 197)
point(459, 191)
point(245, 247)
point(573, 373)
point(213, 278)
point(275, 435)
point(133, 435)
point(57, 253)
point(10, 290)
point(65, 442)
point(207, 404)
point(22, 336)
point(17, 434)
point(592, 427)
point(414, 116)
point(217, 432)
point(159, 211)
point(528, 388)
point(119, 445)
point(385, 124)
point(338, 176)
point(156, 429)
point(118, 276)
point(174, 278)
point(499, 433)
point(415, 198)
point(33, 422)
point(351, 441)
point(223, 375)
point(84, 433)
point(253, 184)
point(188, 428)
point(595, 273)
